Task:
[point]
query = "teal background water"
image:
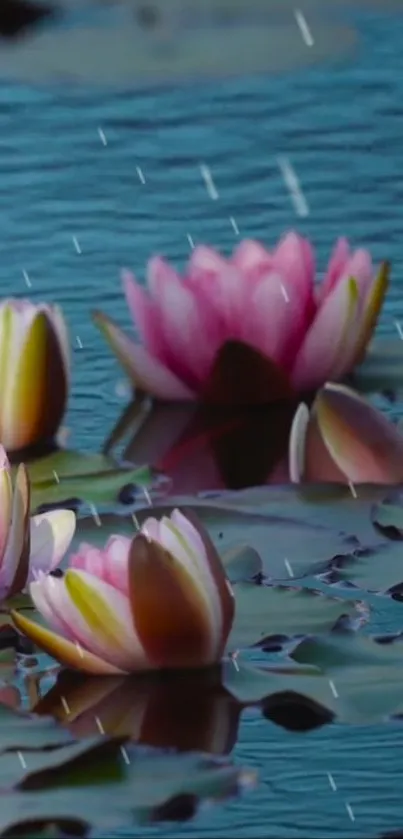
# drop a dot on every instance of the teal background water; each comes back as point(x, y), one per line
point(341, 126)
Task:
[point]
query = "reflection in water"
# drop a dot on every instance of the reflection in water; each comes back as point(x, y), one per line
point(185, 711)
point(203, 448)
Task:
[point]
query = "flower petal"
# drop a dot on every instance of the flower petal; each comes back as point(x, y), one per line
point(51, 535)
point(144, 314)
point(5, 500)
point(364, 444)
point(43, 592)
point(15, 566)
point(145, 371)
point(216, 569)
point(37, 393)
point(68, 653)
point(169, 612)
point(325, 342)
point(371, 309)
point(102, 616)
point(296, 450)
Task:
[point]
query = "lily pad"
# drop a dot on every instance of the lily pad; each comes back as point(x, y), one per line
point(110, 783)
point(378, 569)
point(264, 611)
point(388, 516)
point(348, 677)
point(82, 478)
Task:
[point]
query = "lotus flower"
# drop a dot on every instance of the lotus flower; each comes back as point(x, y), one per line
point(34, 372)
point(344, 439)
point(28, 546)
point(266, 301)
point(161, 600)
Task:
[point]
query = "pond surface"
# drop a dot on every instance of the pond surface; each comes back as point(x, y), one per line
point(93, 180)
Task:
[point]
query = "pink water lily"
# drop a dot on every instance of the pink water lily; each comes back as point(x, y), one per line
point(28, 545)
point(344, 439)
point(160, 600)
point(266, 300)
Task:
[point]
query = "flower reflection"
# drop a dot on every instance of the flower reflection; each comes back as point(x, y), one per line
point(186, 711)
point(202, 448)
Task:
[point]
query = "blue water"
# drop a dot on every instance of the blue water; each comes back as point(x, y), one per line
point(341, 126)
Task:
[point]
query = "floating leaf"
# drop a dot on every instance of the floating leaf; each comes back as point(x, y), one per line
point(92, 478)
point(242, 563)
point(378, 569)
point(264, 611)
point(57, 828)
point(388, 516)
point(21, 732)
point(110, 783)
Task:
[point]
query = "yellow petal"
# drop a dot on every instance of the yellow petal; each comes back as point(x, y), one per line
point(15, 565)
point(107, 618)
point(35, 397)
point(373, 306)
point(169, 612)
point(69, 654)
point(5, 501)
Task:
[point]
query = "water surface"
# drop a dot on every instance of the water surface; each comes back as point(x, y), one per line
point(77, 205)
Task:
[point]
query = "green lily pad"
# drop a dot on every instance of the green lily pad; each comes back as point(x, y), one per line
point(344, 676)
point(388, 516)
point(110, 783)
point(264, 611)
point(86, 478)
point(377, 569)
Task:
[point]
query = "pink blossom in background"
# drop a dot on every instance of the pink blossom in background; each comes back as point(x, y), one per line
point(267, 300)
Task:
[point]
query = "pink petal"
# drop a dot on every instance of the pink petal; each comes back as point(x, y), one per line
point(274, 322)
point(144, 314)
point(89, 558)
point(324, 343)
point(338, 260)
point(117, 557)
point(146, 372)
point(186, 331)
point(294, 259)
point(251, 258)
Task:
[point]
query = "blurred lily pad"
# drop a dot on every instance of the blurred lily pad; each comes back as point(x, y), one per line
point(72, 476)
point(264, 611)
point(110, 783)
point(46, 829)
